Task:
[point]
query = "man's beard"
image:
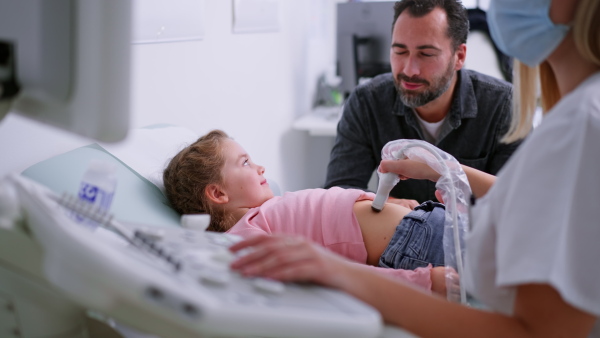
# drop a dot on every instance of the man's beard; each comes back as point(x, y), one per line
point(414, 99)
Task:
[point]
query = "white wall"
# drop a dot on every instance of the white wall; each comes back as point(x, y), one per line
point(251, 85)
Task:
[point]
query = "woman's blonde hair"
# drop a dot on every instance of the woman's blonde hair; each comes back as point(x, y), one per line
point(586, 33)
point(191, 171)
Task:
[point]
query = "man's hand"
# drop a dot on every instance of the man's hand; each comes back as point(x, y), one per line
point(411, 204)
point(438, 195)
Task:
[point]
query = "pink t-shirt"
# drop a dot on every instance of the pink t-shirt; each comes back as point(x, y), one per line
point(324, 216)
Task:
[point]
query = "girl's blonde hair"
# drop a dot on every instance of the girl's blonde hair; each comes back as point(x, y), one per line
point(586, 34)
point(191, 171)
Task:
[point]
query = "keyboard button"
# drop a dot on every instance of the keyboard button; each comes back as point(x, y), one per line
point(212, 276)
point(268, 285)
point(223, 256)
point(246, 299)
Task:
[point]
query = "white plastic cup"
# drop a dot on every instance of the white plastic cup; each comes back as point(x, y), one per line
point(97, 187)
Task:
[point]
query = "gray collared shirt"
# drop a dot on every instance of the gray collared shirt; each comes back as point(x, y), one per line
point(374, 114)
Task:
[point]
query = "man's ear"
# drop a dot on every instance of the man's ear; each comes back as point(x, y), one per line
point(215, 194)
point(461, 56)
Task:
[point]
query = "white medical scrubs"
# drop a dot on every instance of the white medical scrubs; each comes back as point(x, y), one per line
point(540, 222)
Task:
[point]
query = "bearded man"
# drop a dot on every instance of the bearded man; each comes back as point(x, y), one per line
point(427, 96)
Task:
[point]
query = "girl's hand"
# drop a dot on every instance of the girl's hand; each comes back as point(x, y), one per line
point(438, 280)
point(445, 282)
point(407, 169)
point(289, 259)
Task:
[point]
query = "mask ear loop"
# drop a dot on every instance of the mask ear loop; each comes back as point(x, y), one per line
point(456, 192)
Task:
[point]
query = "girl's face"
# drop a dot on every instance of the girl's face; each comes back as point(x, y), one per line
point(243, 180)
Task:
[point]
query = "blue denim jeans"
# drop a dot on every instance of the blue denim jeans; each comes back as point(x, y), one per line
point(417, 241)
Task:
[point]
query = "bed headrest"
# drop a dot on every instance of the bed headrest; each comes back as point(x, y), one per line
point(136, 200)
point(140, 160)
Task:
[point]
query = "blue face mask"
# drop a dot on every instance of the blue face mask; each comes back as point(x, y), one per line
point(523, 29)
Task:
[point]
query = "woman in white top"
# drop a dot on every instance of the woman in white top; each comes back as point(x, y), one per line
point(532, 256)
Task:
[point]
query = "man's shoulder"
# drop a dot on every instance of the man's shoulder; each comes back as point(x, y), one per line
point(487, 82)
point(371, 98)
point(381, 83)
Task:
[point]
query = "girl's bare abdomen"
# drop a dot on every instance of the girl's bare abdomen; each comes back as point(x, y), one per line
point(378, 227)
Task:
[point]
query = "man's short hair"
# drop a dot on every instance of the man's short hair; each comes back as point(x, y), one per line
point(458, 21)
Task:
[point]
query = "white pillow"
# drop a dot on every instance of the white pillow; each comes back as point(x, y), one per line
point(148, 150)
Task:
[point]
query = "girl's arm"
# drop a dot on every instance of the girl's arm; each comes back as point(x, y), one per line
point(479, 181)
point(539, 310)
point(427, 278)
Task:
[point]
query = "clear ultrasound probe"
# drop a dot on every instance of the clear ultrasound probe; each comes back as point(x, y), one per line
point(455, 191)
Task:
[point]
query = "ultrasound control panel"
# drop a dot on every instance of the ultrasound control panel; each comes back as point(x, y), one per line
point(168, 281)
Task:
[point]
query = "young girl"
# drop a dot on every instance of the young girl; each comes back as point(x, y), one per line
point(215, 175)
